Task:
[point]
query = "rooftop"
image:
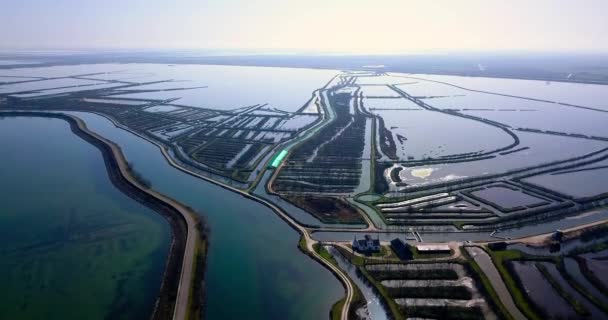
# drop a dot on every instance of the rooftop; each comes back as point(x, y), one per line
point(432, 247)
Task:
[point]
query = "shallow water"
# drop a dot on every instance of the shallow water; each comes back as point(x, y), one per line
point(506, 197)
point(72, 245)
point(541, 291)
point(578, 184)
point(588, 95)
point(542, 149)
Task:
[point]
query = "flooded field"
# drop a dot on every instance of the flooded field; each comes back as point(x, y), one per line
point(598, 268)
point(540, 149)
point(205, 86)
point(397, 104)
point(450, 136)
point(541, 292)
point(379, 91)
point(432, 289)
point(227, 87)
point(507, 197)
point(589, 307)
point(45, 85)
point(583, 182)
point(588, 95)
point(573, 269)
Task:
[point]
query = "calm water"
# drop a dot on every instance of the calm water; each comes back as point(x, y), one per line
point(72, 246)
point(541, 291)
point(255, 269)
point(225, 87)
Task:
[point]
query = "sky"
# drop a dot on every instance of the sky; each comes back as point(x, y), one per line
point(342, 26)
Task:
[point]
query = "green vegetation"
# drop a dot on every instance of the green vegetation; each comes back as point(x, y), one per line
point(143, 181)
point(196, 301)
point(328, 209)
point(500, 259)
point(578, 287)
point(336, 309)
point(596, 247)
point(591, 277)
point(330, 160)
point(302, 244)
point(358, 299)
point(353, 258)
point(385, 252)
point(324, 253)
point(380, 184)
point(459, 224)
point(487, 288)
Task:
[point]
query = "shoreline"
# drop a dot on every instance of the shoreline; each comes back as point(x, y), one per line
point(177, 284)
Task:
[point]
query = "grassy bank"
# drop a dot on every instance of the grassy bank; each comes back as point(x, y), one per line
point(500, 258)
point(488, 289)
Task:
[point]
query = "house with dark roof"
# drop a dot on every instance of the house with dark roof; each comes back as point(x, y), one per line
point(402, 249)
point(367, 244)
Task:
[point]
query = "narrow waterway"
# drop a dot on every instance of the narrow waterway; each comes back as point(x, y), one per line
point(373, 307)
point(254, 269)
point(487, 266)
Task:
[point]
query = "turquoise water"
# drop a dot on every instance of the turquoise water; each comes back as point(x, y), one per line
point(72, 246)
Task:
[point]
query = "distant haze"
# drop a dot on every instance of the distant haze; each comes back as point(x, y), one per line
point(345, 26)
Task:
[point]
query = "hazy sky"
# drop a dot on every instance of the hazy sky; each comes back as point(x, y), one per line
point(364, 26)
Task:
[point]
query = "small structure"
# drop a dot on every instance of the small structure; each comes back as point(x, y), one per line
point(278, 158)
point(402, 249)
point(558, 235)
point(367, 244)
point(433, 248)
point(497, 246)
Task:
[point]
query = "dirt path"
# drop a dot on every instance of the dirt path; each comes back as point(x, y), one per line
point(543, 238)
